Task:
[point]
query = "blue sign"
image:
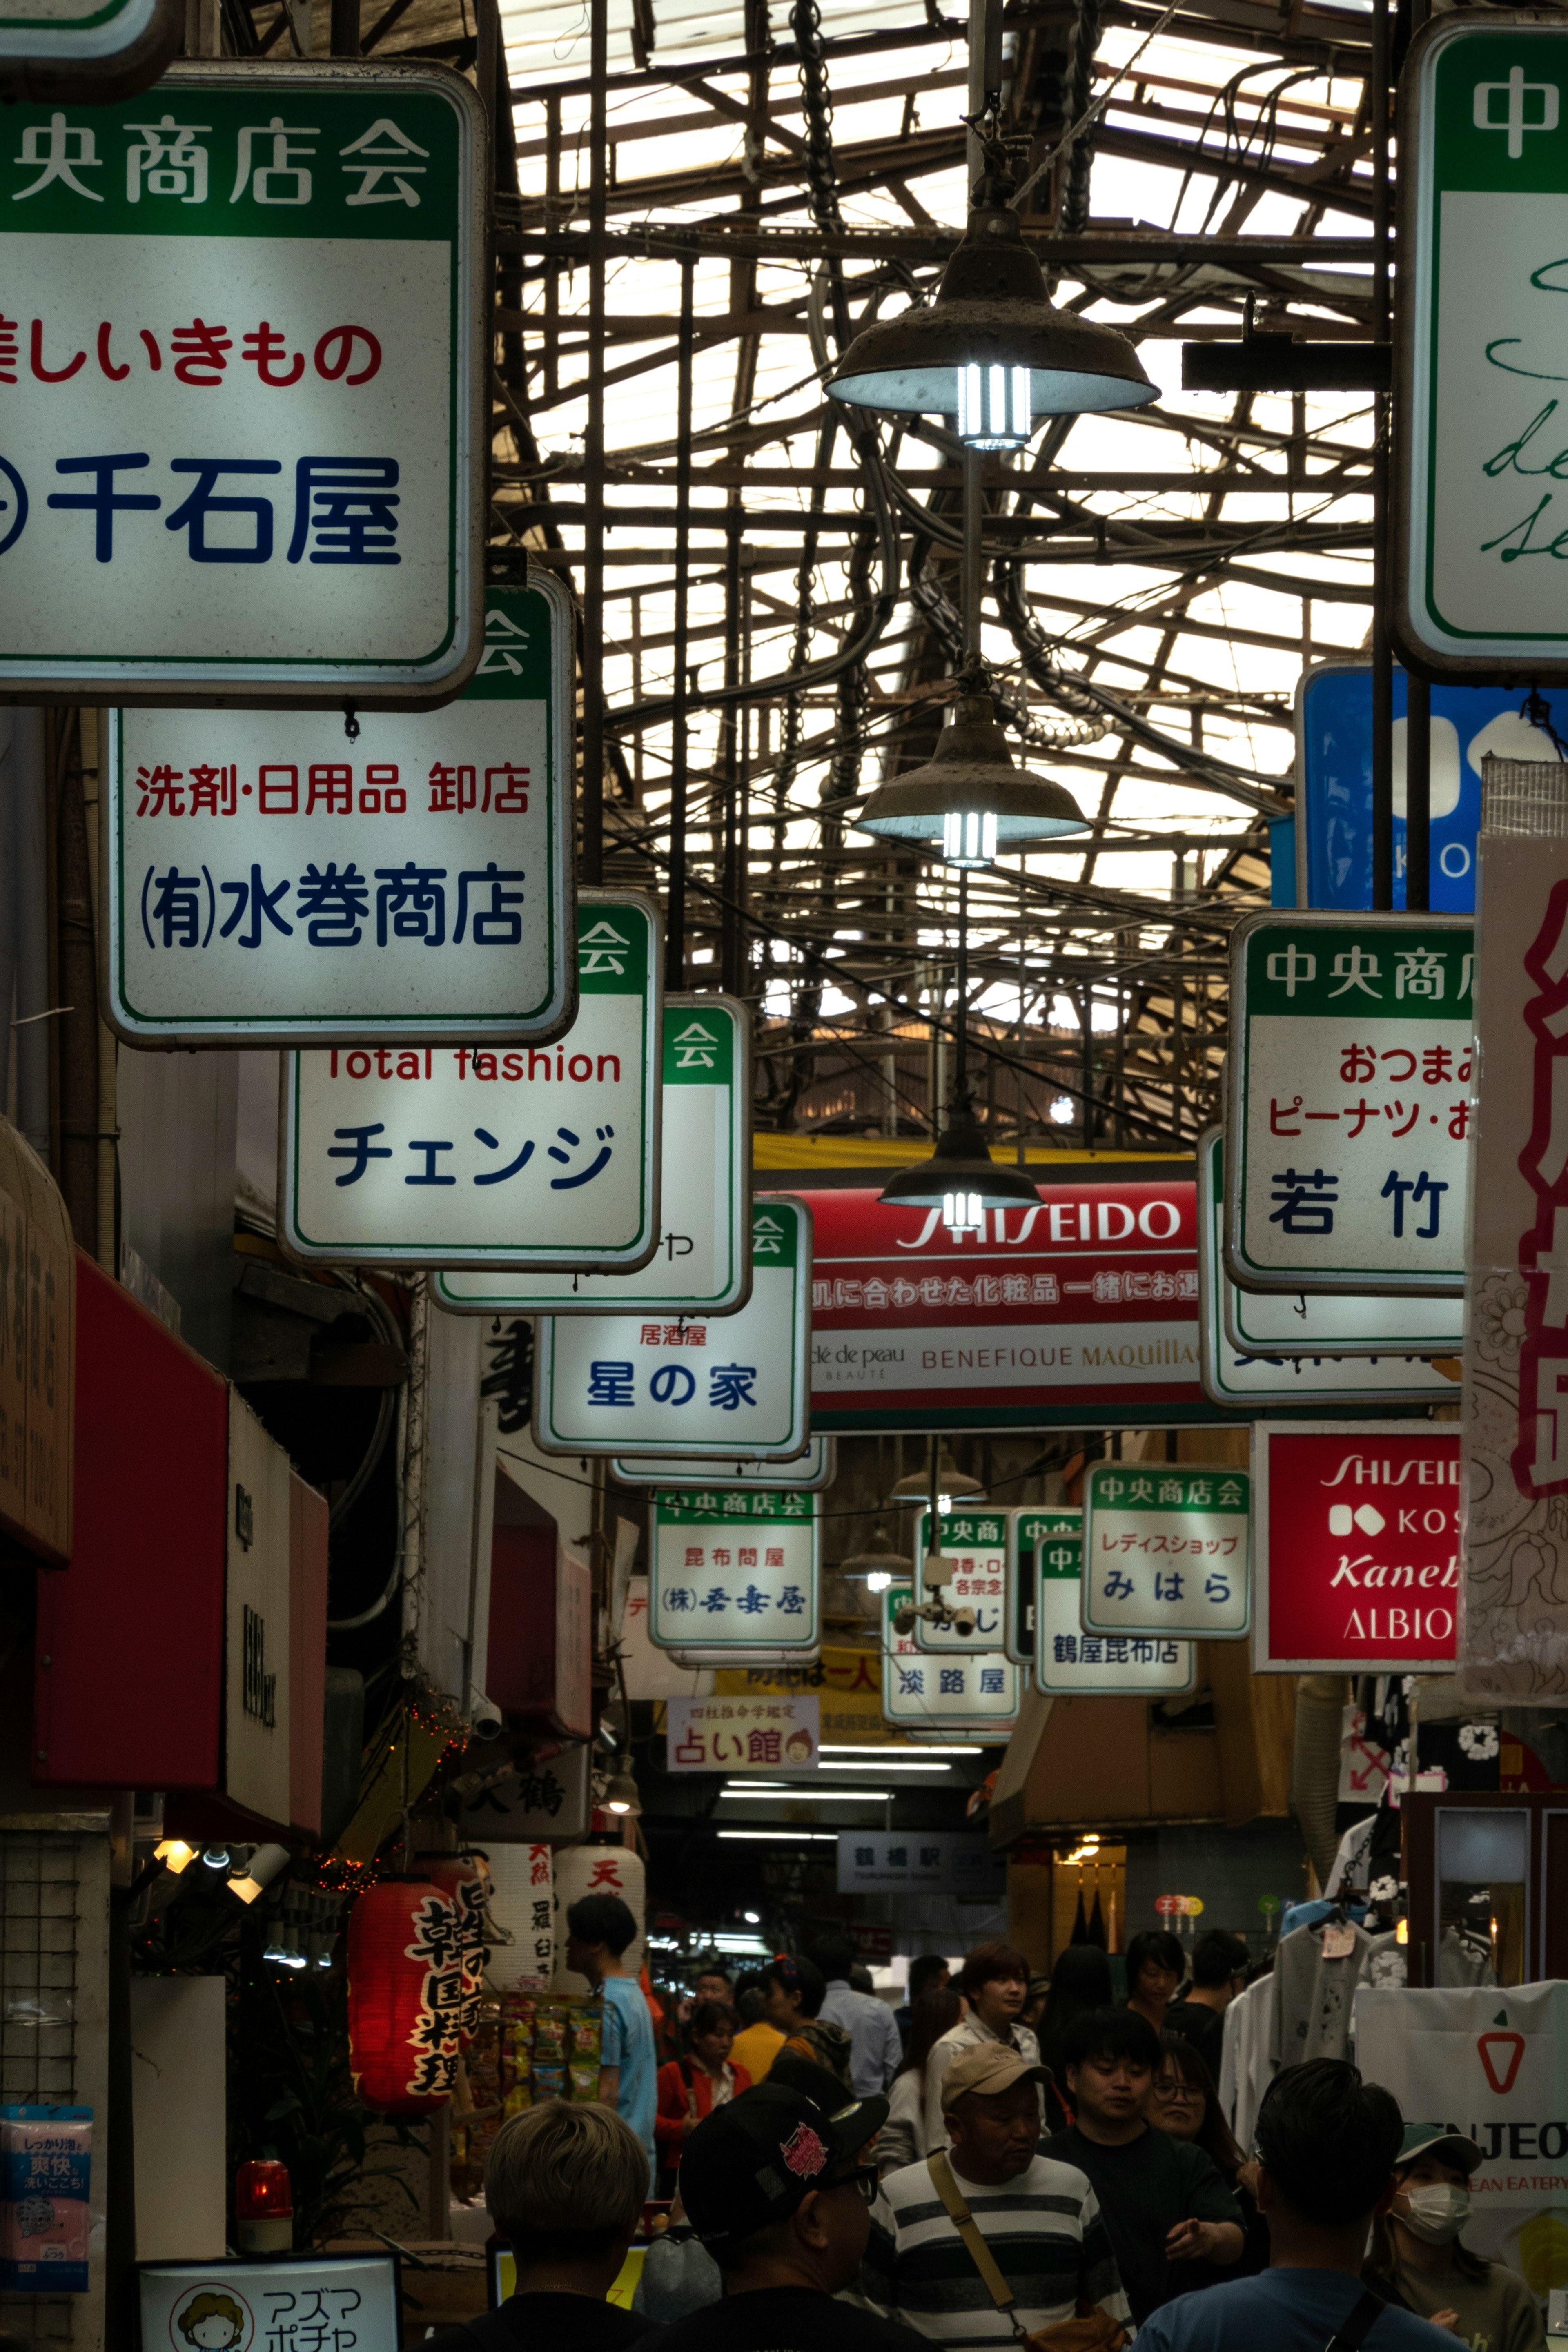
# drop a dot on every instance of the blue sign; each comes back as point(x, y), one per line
point(1333, 740)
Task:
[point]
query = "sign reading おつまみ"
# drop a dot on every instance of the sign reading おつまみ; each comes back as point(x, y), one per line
point(1166, 1551)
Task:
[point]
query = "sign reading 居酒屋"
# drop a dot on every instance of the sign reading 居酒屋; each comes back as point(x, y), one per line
point(1348, 1107)
point(734, 1574)
point(246, 366)
point(1166, 1551)
point(1356, 1547)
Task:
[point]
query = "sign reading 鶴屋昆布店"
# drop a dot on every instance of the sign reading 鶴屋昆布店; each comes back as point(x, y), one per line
point(1166, 1551)
point(533, 1155)
point(1071, 1663)
point(929, 1697)
point(244, 367)
point(976, 1543)
point(269, 883)
point(735, 1574)
point(1349, 1102)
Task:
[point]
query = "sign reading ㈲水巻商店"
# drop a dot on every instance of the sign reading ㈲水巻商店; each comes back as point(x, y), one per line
point(1348, 1106)
point(1072, 1664)
point(734, 1577)
point(1166, 1551)
point(269, 883)
point(934, 1697)
point(539, 1155)
point(244, 334)
point(976, 1543)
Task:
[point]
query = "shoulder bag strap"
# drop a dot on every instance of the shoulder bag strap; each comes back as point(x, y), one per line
point(979, 2253)
point(1352, 2333)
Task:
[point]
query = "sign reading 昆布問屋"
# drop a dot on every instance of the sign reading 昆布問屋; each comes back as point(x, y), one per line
point(244, 338)
point(533, 1155)
point(1025, 1529)
point(1072, 1664)
point(976, 1543)
point(808, 1474)
point(703, 1262)
point(270, 883)
point(1166, 1551)
point(1349, 1102)
point(735, 1574)
point(932, 1698)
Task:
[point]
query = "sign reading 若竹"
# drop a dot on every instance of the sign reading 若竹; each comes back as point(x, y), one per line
point(243, 366)
point(1072, 1664)
point(539, 1155)
point(928, 1696)
point(734, 1572)
point(1026, 1528)
point(1349, 1102)
point(1166, 1551)
point(1356, 1539)
point(742, 1735)
point(976, 1544)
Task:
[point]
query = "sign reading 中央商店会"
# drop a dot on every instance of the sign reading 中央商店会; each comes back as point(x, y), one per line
point(1166, 1551)
point(1026, 1528)
point(976, 1543)
point(244, 343)
point(270, 883)
point(456, 1156)
point(702, 1264)
point(809, 1473)
point(1348, 1102)
point(948, 1862)
point(1072, 1664)
point(930, 1697)
point(734, 1574)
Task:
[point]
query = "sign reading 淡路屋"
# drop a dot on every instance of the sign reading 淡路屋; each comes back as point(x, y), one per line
point(533, 1155)
point(809, 1473)
point(1356, 1537)
point(702, 1264)
point(269, 883)
point(742, 1735)
point(1479, 417)
point(1026, 1528)
point(928, 1696)
point(1348, 1103)
point(1072, 1664)
point(976, 1543)
point(725, 1580)
point(726, 1391)
point(1166, 1551)
point(951, 1861)
point(247, 363)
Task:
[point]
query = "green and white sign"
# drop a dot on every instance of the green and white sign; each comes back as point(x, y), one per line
point(1348, 1103)
point(702, 1265)
point(735, 1573)
point(976, 1543)
point(808, 1474)
point(244, 334)
point(935, 1697)
point(722, 1391)
point(267, 882)
point(90, 50)
point(1025, 1530)
point(1167, 1551)
point(1072, 1664)
point(524, 1156)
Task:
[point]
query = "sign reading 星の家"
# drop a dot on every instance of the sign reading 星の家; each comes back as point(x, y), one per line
point(928, 1696)
point(1349, 1102)
point(742, 1735)
point(734, 1572)
point(1166, 1551)
point(243, 337)
point(1072, 1664)
point(976, 1543)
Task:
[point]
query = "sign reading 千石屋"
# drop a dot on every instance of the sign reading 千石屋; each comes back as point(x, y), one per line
point(932, 1697)
point(976, 1543)
point(246, 364)
point(1480, 438)
point(533, 1155)
point(1166, 1551)
point(622, 1383)
point(1349, 1102)
point(1356, 1539)
point(269, 882)
point(1025, 1529)
point(734, 1572)
point(742, 1735)
point(809, 1473)
point(702, 1264)
point(949, 1862)
point(1072, 1664)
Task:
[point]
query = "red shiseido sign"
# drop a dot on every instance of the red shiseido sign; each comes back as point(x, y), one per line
point(1356, 1545)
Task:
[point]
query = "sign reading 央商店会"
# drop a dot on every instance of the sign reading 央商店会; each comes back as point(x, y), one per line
point(244, 343)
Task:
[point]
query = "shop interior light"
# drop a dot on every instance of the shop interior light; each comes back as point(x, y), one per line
point(952, 1485)
point(783, 1837)
point(621, 1793)
point(249, 1881)
point(175, 1854)
point(879, 1564)
point(752, 1919)
point(738, 1791)
point(217, 1857)
point(861, 1748)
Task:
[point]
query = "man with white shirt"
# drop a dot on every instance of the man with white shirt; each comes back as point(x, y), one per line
point(995, 1981)
point(875, 2046)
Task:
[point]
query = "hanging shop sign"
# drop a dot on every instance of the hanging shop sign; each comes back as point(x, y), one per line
point(600, 1870)
point(935, 1697)
point(1072, 1664)
point(734, 1572)
point(936, 1862)
point(976, 1543)
point(278, 269)
point(610, 1384)
point(703, 1263)
point(809, 1473)
point(547, 1799)
point(1166, 1551)
point(1357, 1536)
point(1026, 1528)
point(742, 1735)
point(406, 1987)
point(530, 1156)
point(848, 1685)
point(1349, 1102)
point(1477, 433)
point(1084, 1308)
point(523, 1906)
point(269, 883)
point(85, 52)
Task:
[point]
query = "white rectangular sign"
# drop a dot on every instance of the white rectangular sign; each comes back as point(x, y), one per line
point(935, 1697)
point(976, 1543)
point(1025, 1529)
point(949, 1862)
point(779, 1733)
point(1167, 1551)
point(732, 1573)
point(809, 1473)
point(1072, 1664)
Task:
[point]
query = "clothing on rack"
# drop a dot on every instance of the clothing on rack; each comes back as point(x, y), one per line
point(1313, 1994)
point(1349, 1869)
point(1465, 1958)
point(1386, 1962)
point(1308, 1915)
point(1245, 2069)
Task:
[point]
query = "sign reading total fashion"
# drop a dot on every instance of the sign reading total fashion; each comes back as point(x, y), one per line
point(1166, 1551)
point(1085, 1306)
point(244, 342)
point(932, 1698)
point(1072, 1664)
point(734, 1575)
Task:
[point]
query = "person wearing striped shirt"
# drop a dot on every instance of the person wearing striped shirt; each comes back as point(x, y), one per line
point(1038, 2218)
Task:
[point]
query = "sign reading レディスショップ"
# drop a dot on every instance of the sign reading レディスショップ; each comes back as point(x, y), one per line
point(1165, 1551)
point(243, 332)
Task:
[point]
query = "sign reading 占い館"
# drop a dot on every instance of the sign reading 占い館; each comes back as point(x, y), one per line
point(1356, 1547)
point(1166, 1551)
point(244, 338)
point(734, 1575)
point(779, 1733)
point(1349, 1102)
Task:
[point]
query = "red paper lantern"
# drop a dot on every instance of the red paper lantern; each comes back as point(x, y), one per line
point(464, 1880)
point(405, 1996)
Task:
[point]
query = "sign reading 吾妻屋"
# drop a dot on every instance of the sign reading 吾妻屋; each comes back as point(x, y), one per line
point(734, 1572)
point(1166, 1551)
point(270, 883)
point(1349, 1102)
point(1025, 1529)
point(976, 1543)
point(932, 1698)
point(627, 1383)
point(244, 454)
point(529, 1155)
point(946, 1862)
point(808, 1474)
point(742, 1735)
point(1072, 1664)
point(703, 1263)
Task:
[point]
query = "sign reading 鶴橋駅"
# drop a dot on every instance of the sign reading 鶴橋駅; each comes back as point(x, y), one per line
point(976, 1543)
point(1071, 1662)
point(1166, 1551)
point(531, 1155)
point(1028, 1527)
point(934, 1697)
point(735, 1576)
point(1349, 1102)
point(243, 366)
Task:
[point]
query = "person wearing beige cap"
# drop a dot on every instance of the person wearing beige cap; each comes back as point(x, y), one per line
point(995, 1981)
point(985, 2241)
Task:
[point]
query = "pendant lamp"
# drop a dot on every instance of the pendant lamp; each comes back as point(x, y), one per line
point(969, 800)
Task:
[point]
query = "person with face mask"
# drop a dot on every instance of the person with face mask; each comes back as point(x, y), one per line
point(1417, 2257)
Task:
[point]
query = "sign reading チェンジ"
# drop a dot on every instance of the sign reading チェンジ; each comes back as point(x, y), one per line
point(242, 365)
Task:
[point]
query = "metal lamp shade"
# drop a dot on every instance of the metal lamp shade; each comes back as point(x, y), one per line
point(950, 1480)
point(961, 1163)
point(972, 771)
point(878, 1559)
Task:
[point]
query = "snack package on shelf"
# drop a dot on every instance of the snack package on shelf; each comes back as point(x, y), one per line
point(549, 2083)
point(585, 2078)
point(586, 2029)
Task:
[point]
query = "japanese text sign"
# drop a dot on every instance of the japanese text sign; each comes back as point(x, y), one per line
point(1166, 1551)
point(1349, 1102)
point(976, 1544)
point(1025, 1530)
point(620, 1383)
point(546, 1798)
point(930, 1697)
point(289, 2303)
point(539, 1155)
point(269, 882)
point(1357, 1547)
point(246, 373)
point(703, 1262)
point(734, 1572)
point(742, 1735)
point(848, 1683)
point(947, 1862)
point(1072, 1664)
point(809, 1473)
